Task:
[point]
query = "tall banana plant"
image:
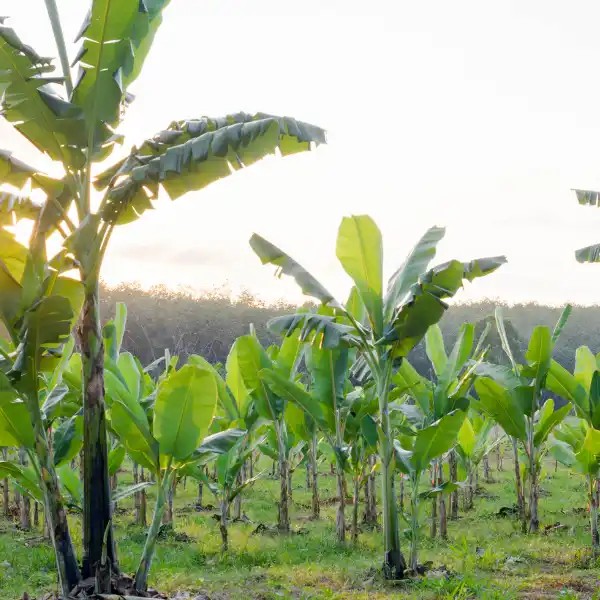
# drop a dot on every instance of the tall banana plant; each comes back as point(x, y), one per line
point(395, 322)
point(582, 389)
point(170, 437)
point(74, 121)
point(332, 405)
point(513, 397)
point(246, 360)
point(576, 444)
point(37, 308)
point(426, 404)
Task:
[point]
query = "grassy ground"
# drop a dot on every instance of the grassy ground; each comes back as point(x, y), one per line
point(487, 554)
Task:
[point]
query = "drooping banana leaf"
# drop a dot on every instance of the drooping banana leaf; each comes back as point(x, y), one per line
point(589, 254)
point(313, 327)
point(286, 265)
point(425, 305)
point(194, 154)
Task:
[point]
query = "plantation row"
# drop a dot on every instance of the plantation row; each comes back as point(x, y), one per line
point(338, 384)
point(338, 387)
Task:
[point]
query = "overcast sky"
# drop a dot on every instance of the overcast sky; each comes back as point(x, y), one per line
point(479, 116)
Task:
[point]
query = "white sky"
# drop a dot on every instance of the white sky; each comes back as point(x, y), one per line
point(475, 115)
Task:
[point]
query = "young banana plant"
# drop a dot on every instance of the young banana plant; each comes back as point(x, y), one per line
point(582, 389)
point(415, 449)
point(331, 404)
point(246, 360)
point(227, 485)
point(576, 444)
point(395, 322)
point(431, 404)
point(361, 436)
point(170, 436)
point(475, 442)
point(513, 398)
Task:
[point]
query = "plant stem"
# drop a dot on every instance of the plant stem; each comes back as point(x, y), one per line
point(5, 490)
point(394, 563)
point(453, 468)
point(434, 500)
point(355, 499)
point(443, 511)
point(59, 38)
point(414, 522)
point(534, 523)
point(469, 490)
point(315, 477)
point(97, 512)
point(223, 526)
point(518, 483)
point(42, 461)
point(592, 482)
point(26, 502)
point(340, 516)
point(141, 576)
point(284, 516)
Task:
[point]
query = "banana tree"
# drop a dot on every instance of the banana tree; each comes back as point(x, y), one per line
point(474, 443)
point(582, 389)
point(168, 439)
point(425, 401)
point(513, 398)
point(327, 370)
point(337, 410)
point(227, 485)
point(246, 360)
point(38, 306)
point(74, 121)
point(361, 434)
point(576, 444)
point(414, 452)
point(394, 323)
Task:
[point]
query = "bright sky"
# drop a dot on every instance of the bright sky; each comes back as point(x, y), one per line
point(479, 116)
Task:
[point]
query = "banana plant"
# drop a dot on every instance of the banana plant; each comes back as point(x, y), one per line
point(576, 444)
point(332, 405)
point(245, 361)
point(38, 306)
point(513, 398)
point(582, 389)
point(173, 435)
point(74, 122)
point(227, 485)
point(475, 442)
point(361, 435)
point(414, 451)
point(327, 372)
point(423, 401)
point(395, 322)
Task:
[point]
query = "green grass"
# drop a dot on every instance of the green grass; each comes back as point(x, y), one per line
point(310, 564)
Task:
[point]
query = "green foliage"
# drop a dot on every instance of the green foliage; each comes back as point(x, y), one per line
point(184, 409)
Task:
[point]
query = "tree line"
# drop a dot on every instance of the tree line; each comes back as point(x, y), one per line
point(208, 324)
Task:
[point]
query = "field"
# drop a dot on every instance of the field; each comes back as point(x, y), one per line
point(486, 555)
